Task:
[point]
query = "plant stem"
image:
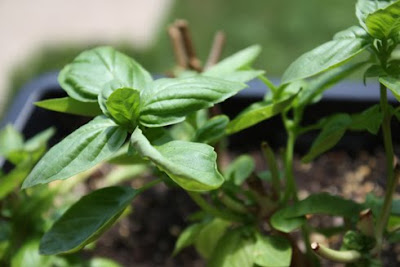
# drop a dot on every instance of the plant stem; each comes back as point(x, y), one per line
point(391, 185)
point(149, 185)
point(291, 188)
point(202, 203)
point(273, 167)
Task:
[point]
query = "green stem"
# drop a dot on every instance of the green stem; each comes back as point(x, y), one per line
point(273, 167)
point(342, 256)
point(390, 188)
point(291, 188)
point(204, 205)
point(149, 185)
point(268, 83)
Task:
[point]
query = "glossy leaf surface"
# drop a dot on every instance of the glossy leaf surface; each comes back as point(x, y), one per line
point(384, 23)
point(84, 78)
point(191, 165)
point(123, 105)
point(291, 218)
point(86, 220)
point(213, 130)
point(70, 106)
point(272, 251)
point(366, 7)
point(393, 84)
point(84, 148)
point(168, 101)
point(345, 45)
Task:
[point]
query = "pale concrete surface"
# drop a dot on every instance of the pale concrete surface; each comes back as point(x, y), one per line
point(26, 25)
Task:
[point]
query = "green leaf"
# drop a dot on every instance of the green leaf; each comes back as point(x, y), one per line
point(28, 255)
point(235, 249)
point(332, 131)
point(191, 165)
point(367, 7)
point(10, 140)
point(168, 101)
point(213, 130)
point(393, 84)
point(235, 62)
point(384, 23)
point(187, 237)
point(12, 180)
point(103, 262)
point(84, 148)
point(241, 75)
point(345, 45)
point(256, 113)
point(209, 236)
point(313, 90)
point(86, 220)
point(370, 120)
point(272, 251)
point(240, 169)
point(182, 131)
point(84, 78)
point(70, 106)
point(291, 218)
point(123, 105)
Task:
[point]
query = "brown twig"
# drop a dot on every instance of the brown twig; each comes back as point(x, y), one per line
point(178, 46)
point(193, 61)
point(216, 49)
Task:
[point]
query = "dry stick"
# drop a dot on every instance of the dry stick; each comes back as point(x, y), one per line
point(216, 49)
point(194, 62)
point(178, 46)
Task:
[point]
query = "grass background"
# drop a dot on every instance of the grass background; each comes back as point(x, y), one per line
point(285, 29)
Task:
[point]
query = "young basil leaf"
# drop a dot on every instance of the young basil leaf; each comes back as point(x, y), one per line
point(70, 106)
point(241, 75)
point(191, 165)
point(86, 220)
point(393, 84)
point(235, 62)
point(332, 131)
point(10, 140)
point(168, 101)
point(240, 169)
point(84, 78)
point(187, 237)
point(314, 89)
point(344, 46)
point(213, 130)
point(367, 7)
point(81, 150)
point(384, 23)
point(290, 218)
point(182, 131)
point(272, 251)
point(209, 236)
point(123, 105)
point(256, 113)
point(370, 120)
point(235, 249)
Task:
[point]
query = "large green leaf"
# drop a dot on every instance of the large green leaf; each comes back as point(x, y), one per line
point(168, 101)
point(71, 106)
point(123, 105)
point(370, 120)
point(272, 251)
point(366, 7)
point(235, 249)
point(240, 169)
point(81, 150)
point(256, 113)
point(291, 218)
point(191, 165)
point(84, 78)
point(344, 46)
point(235, 62)
point(209, 236)
point(384, 23)
point(332, 131)
point(213, 130)
point(10, 140)
point(28, 255)
point(86, 220)
point(393, 84)
point(312, 91)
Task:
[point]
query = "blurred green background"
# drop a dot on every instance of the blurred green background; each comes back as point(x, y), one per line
point(285, 29)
